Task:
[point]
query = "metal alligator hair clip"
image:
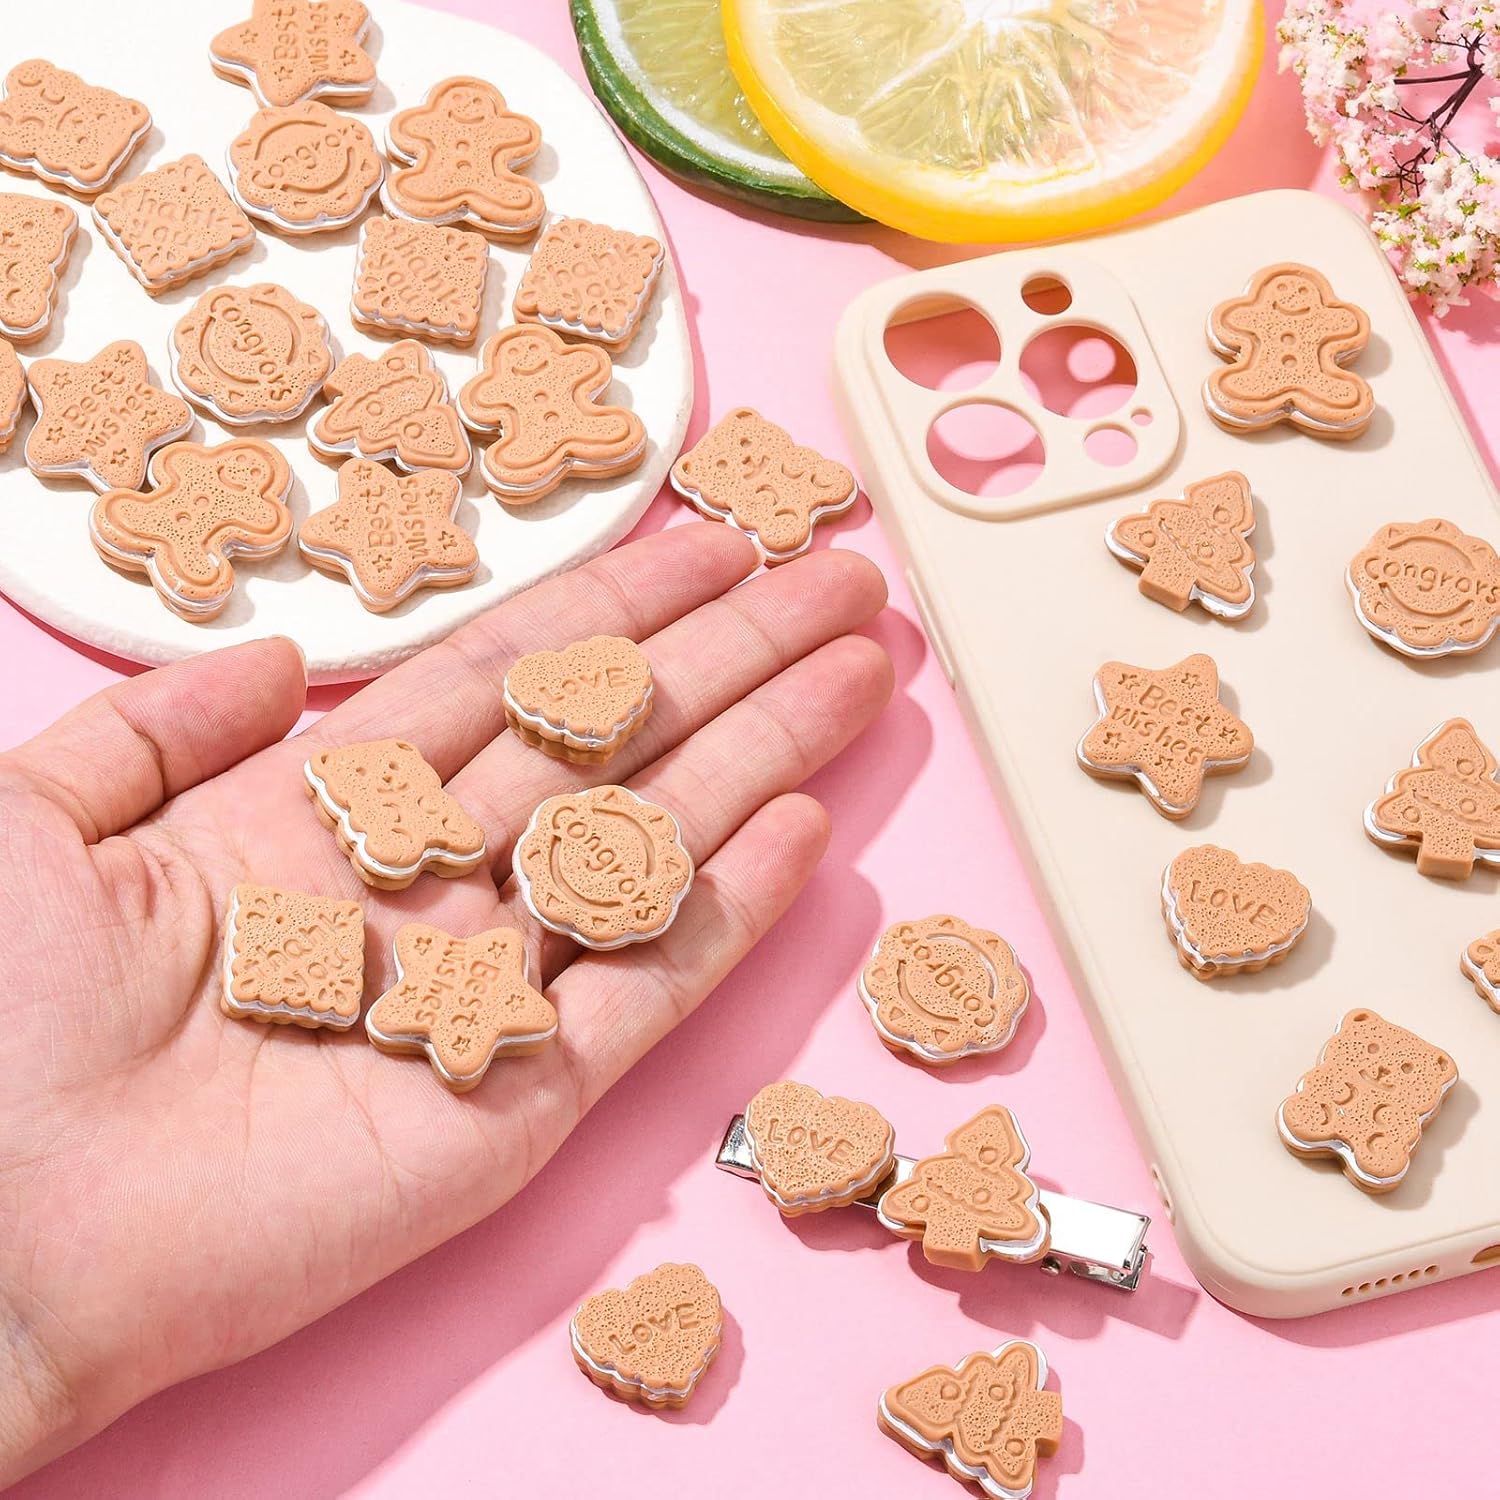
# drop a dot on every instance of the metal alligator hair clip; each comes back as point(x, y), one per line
point(969, 1204)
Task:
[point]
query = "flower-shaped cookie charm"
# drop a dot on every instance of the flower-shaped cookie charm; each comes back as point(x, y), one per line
point(1427, 589)
point(603, 867)
point(65, 131)
point(35, 237)
point(205, 507)
point(303, 168)
point(1229, 917)
point(590, 281)
point(814, 1152)
point(293, 50)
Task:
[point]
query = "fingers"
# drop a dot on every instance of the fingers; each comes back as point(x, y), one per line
point(702, 665)
point(121, 754)
point(447, 701)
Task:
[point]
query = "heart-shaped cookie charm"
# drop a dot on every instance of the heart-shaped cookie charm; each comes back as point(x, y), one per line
point(583, 702)
point(814, 1152)
point(653, 1341)
point(1228, 917)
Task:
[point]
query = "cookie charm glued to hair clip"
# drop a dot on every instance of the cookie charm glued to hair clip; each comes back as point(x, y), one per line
point(205, 507)
point(653, 1341)
point(461, 1001)
point(748, 473)
point(293, 50)
point(293, 959)
point(391, 814)
point(812, 1153)
point(590, 281)
point(1227, 917)
point(36, 236)
point(421, 279)
point(65, 131)
point(603, 867)
point(1426, 589)
point(1195, 550)
point(1445, 805)
point(942, 990)
point(1480, 964)
point(1366, 1102)
point(1288, 337)
point(988, 1418)
point(13, 393)
point(458, 155)
point(539, 396)
point(581, 703)
point(1166, 729)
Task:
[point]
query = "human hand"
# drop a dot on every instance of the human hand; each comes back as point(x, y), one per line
point(179, 1189)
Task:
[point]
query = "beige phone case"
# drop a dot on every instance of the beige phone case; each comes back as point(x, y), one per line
point(1023, 601)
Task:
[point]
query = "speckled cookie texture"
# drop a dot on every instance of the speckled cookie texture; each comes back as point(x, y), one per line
point(36, 236)
point(13, 393)
point(583, 702)
point(942, 990)
point(391, 534)
point(293, 959)
point(72, 134)
point(1480, 964)
point(1375, 1086)
point(653, 1341)
point(815, 1152)
point(973, 1202)
point(603, 867)
point(173, 223)
point(461, 1001)
point(248, 354)
point(291, 50)
point(749, 473)
point(391, 814)
point(1229, 917)
point(206, 506)
point(421, 279)
point(589, 281)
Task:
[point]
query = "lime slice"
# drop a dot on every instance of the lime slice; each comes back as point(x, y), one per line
point(658, 67)
point(996, 119)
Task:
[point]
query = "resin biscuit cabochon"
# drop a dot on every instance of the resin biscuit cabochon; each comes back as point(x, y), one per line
point(69, 132)
point(288, 51)
point(590, 697)
point(988, 1418)
point(652, 1341)
point(1229, 917)
point(422, 280)
point(36, 236)
point(943, 990)
point(813, 1152)
point(1374, 1088)
point(1480, 963)
point(291, 958)
point(304, 168)
point(13, 392)
point(589, 281)
point(585, 172)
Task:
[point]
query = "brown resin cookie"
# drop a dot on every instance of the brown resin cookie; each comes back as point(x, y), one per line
point(1227, 917)
point(1287, 337)
point(461, 1001)
point(590, 281)
point(292, 50)
point(12, 393)
point(814, 1152)
point(583, 702)
point(173, 223)
point(1374, 1088)
point(943, 990)
point(1426, 589)
point(538, 396)
point(1165, 729)
point(458, 154)
point(35, 238)
point(973, 1202)
point(422, 279)
point(291, 958)
point(205, 506)
point(247, 354)
point(1195, 550)
point(653, 1341)
point(1480, 963)
point(55, 126)
point(101, 420)
point(603, 867)
point(303, 169)
point(749, 473)
point(393, 408)
point(1445, 805)
point(390, 812)
point(391, 534)
point(987, 1418)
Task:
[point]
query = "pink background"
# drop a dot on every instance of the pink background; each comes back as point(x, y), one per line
point(454, 1377)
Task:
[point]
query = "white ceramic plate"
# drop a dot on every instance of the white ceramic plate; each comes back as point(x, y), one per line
point(160, 55)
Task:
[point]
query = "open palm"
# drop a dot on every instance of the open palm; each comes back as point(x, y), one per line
point(177, 1189)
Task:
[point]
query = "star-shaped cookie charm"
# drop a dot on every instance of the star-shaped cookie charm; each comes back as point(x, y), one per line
point(462, 1001)
point(1167, 729)
point(293, 50)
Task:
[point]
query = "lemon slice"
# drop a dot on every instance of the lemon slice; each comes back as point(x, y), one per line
point(658, 67)
point(996, 119)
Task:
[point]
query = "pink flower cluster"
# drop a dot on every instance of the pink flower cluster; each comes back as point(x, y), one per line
point(1389, 85)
